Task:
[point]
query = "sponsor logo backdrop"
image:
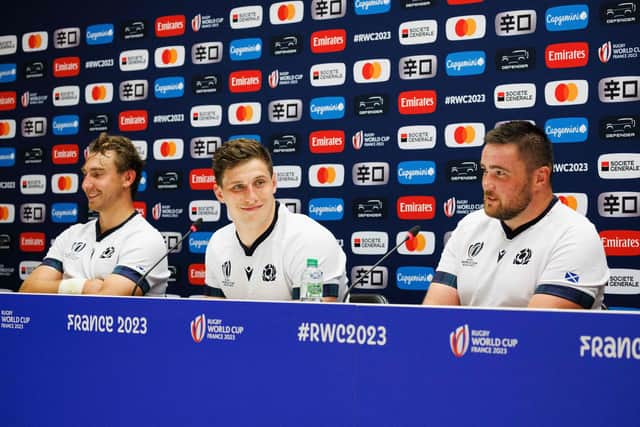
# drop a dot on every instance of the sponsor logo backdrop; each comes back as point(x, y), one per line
point(375, 112)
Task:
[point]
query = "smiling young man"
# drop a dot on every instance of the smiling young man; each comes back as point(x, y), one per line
point(262, 254)
point(525, 248)
point(110, 254)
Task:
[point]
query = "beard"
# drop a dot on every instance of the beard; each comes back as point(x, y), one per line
point(506, 209)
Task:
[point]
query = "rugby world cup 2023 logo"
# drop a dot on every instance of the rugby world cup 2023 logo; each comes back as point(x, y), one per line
point(198, 328)
point(459, 340)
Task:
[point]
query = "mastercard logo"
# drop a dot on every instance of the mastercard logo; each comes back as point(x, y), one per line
point(570, 201)
point(169, 56)
point(244, 113)
point(465, 27)
point(326, 175)
point(576, 201)
point(64, 183)
point(464, 134)
point(286, 12)
point(371, 70)
point(416, 244)
point(34, 41)
point(168, 149)
point(7, 129)
point(99, 93)
point(566, 92)
point(5, 213)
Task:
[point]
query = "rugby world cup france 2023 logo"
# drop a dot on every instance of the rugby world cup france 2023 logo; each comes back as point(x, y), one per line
point(198, 328)
point(459, 340)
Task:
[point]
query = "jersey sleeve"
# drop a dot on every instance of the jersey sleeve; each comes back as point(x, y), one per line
point(447, 270)
point(138, 255)
point(577, 268)
point(55, 254)
point(213, 276)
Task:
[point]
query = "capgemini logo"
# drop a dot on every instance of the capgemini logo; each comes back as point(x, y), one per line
point(198, 326)
point(459, 340)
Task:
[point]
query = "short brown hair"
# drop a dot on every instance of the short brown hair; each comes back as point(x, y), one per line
point(533, 144)
point(126, 156)
point(238, 151)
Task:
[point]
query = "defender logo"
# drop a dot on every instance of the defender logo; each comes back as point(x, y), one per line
point(289, 44)
point(515, 59)
point(369, 208)
point(618, 127)
point(34, 70)
point(367, 105)
point(284, 143)
point(205, 84)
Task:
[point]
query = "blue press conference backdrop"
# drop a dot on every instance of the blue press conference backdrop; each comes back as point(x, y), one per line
point(374, 110)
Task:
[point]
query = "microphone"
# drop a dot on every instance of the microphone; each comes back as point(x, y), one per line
point(192, 228)
point(411, 234)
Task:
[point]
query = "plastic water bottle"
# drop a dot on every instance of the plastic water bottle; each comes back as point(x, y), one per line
point(311, 285)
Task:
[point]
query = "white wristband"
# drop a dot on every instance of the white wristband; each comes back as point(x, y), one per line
point(71, 286)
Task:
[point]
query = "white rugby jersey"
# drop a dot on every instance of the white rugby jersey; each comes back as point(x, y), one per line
point(129, 250)
point(271, 269)
point(559, 253)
